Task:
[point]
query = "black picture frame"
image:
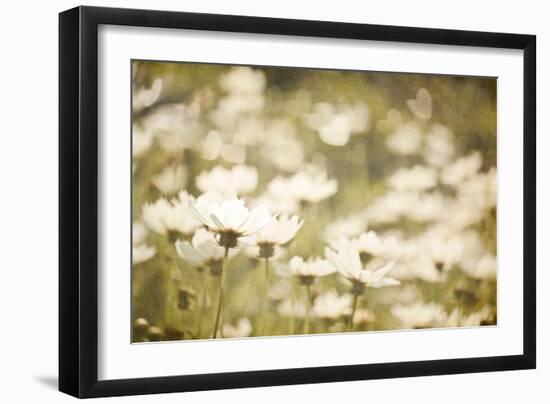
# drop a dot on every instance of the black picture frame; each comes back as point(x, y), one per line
point(78, 201)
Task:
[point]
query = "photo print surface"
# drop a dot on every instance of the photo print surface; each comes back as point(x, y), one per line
point(279, 201)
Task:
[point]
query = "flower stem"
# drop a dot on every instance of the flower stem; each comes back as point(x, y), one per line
point(263, 312)
point(202, 303)
point(353, 309)
point(220, 299)
point(308, 309)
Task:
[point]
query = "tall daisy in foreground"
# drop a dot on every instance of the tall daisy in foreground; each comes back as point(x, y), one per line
point(276, 234)
point(229, 220)
point(203, 252)
point(347, 261)
point(306, 272)
point(172, 218)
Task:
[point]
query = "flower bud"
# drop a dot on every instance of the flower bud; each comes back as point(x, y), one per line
point(141, 326)
point(186, 298)
point(155, 334)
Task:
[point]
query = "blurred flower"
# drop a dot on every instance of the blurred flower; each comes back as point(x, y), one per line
point(427, 207)
point(363, 318)
point(439, 146)
point(139, 233)
point(244, 87)
point(282, 203)
point(418, 178)
point(280, 290)
point(288, 308)
point(172, 179)
point(348, 226)
point(155, 333)
point(406, 139)
point(243, 80)
point(238, 180)
point(347, 262)
point(211, 145)
point(176, 126)
point(142, 253)
point(277, 233)
point(391, 206)
point(145, 97)
point(141, 325)
point(242, 329)
point(331, 306)
point(335, 126)
point(249, 130)
point(391, 123)
point(310, 186)
point(203, 250)
point(308, 270)
point(472, 320)
point(230, 219)
point(425, 257)
point(421, 106)
point(281, 146)
point(480, 190)
point(142, 141)
point(368, 245)
point(462, 169)
point(476, 262)
point(233, 153)
point(484, 268)
point(420, 315)
point(445, 249)
point(171, 218)
point(256, 251)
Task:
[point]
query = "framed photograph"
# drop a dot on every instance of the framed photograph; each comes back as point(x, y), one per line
point(251, 201)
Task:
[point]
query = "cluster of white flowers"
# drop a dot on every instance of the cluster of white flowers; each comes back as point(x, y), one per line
point(141, 252)
point(336, 124)
point(239, 177)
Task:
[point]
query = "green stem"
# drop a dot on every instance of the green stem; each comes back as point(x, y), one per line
point(220, 299)
point(308, 309)
point(353, 309)
point(292, 318)
point(263, 312)
point(202, 303)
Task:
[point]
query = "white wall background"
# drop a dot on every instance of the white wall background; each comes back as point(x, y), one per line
point(28, 199)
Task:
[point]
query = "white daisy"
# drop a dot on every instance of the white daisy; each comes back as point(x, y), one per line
point(331, 306)
point(172, 179)
point(203, 250)
point(406, 139)
point(171, 217)
point(142, 140)
point(145, 97)
point(336, 125)
point(420, 315)
point(417, 178)
point(142, 253)
point(238, 180)
point(349, 226)
point(310, 185)
point(308, 270)
point(243, 328)
point(277, 233)
point(346, 260)
point(289, 308)
point(230, 219)
point(439, 146)
point(461, 169)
